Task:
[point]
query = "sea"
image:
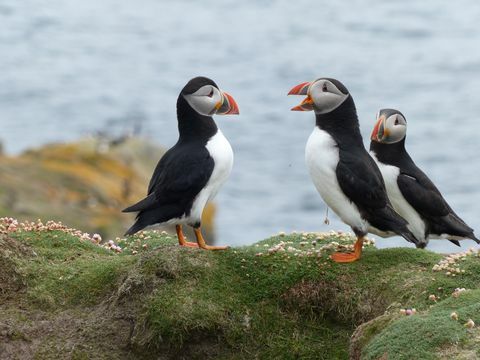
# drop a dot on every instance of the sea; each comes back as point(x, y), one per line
point(75, 68)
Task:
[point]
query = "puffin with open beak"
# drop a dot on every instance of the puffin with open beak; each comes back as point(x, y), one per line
point(343, 172)
point(412, 193)
point(193, 170)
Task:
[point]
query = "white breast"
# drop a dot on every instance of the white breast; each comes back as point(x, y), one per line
point(222, 154)
point(401, 206)
point(322, 156)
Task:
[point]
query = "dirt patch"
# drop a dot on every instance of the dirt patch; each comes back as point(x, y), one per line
point(112, 329)
point(11, 279)
point(80, 333)
point(338, 301)
point(102, 331)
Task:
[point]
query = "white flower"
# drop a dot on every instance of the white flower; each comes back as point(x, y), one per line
point(470, 324)
point(97, 238)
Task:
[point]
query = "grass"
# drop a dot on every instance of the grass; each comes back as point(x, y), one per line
point(416, 336)
point(259, 301)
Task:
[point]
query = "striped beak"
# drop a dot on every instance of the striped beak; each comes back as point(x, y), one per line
point(227, 106)
point(379, 133)
point(307, 103)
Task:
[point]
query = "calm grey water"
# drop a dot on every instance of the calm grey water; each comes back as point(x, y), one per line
point(69, 68)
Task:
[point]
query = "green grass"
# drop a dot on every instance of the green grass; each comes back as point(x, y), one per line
point(66, 271)
point(159, 298)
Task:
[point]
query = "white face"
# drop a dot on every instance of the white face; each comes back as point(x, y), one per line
point(326, 96)
point(206, 100)
point(391, 129)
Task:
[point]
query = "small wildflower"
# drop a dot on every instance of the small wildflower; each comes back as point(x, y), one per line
point(454, 316)
point(456, 293)
point(96, 238)
point(469, 324)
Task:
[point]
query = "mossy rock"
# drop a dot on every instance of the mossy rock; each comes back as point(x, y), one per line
point(266, 301)
point(85, 184)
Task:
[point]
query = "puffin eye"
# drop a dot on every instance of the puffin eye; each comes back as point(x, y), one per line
point(211, 93)
point(324, 87)
point(396, 121)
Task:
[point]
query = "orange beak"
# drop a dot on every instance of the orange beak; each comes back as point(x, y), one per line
point(228, 105)
point(378, 132)
point(307, 103)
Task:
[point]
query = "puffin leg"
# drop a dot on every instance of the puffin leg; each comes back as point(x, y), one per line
point(181, 238)
point(351, 256)
point(202, 244)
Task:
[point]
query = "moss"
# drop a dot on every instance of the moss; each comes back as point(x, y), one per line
point(424, 336)
point(158, 299)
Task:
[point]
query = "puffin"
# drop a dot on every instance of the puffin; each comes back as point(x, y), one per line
point(191, 172)
point(413, 195)
point(343, 172)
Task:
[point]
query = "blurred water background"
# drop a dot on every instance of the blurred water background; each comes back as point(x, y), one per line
point(73, 68)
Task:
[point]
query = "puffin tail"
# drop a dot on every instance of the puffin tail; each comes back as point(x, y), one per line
point(474, 238)
point(407, 235)
point(144, 204)
point(135, 227)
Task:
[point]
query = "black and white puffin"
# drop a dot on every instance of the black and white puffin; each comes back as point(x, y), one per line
point(343, 172)
point(412, 193)
point(193, 170)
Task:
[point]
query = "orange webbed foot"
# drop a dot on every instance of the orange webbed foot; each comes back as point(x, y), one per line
point(209, 247)
point(344, 257)
point(182, 241)
point(189, 244)
point(203, 245)
point(351, 256)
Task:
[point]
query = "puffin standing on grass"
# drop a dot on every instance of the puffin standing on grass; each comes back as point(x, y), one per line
point(193, 170)
point(412, 193)
point(343, 172)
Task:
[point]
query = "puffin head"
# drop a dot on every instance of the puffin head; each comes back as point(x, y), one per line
point(323, 95)
point(204, 96)
point(390, 128)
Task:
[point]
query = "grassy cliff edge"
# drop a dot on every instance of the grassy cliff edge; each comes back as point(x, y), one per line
point(64, 294)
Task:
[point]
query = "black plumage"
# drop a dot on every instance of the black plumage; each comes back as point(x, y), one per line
point(420, 192)
point(183, 171)
point(357, 173)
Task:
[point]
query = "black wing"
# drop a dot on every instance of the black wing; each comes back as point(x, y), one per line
point(362, 182)
point(183, 176)
point(178, 178)
point(426, 199)
point(166, 158)
point(422, 194)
